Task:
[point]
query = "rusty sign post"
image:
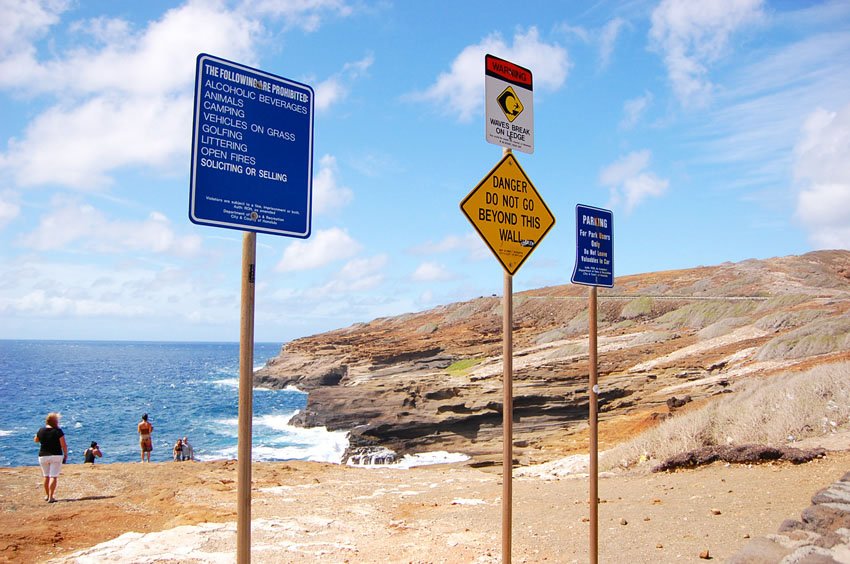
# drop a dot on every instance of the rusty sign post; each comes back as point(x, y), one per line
point(249, 173)
point(594, 267)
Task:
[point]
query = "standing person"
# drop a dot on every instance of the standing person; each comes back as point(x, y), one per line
point(145, 442)
point(52, 453)
point(91, 452)
point(188, 451)
point(177, 451)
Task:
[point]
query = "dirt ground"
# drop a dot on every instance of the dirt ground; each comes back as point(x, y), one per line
point(310, 512)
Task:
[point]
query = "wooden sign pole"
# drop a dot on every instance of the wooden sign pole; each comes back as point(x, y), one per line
point(507, 410)
point(507, 418)
point(594, 432)
point(246, 400)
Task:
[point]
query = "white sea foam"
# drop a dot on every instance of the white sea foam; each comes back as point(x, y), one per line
point(234, 383)
point(5, 433)
point(278, 422)
point(229, 382)
point(429, 458)
point(420, 459)
point(575, 465)
point(296, 443)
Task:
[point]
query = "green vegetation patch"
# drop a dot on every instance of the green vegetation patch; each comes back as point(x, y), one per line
point(782, 320)
point(637, 308)
point(784, 302)
point(820, 337)
point(461, 367)
point(701, 314)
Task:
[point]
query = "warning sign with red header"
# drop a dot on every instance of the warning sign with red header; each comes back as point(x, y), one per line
point(508, 91)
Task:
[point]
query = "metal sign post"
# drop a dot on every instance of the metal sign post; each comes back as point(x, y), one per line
point(511, 217)
point(252, 170)
point(507, 416)
point(594, 267)
point(593, 394)
point(246, 399)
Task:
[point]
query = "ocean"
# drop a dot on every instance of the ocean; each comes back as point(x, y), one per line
point(187, 389)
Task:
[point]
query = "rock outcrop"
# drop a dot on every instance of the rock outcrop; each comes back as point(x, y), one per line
point(433, 380)
point(738, 454)
point(821, 535)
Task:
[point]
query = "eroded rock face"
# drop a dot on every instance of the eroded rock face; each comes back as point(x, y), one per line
point(433, 380)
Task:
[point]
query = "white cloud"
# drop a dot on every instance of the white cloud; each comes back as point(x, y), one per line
point(108, 132)
point(35, 289)
point(629, 180)
point(335, 88)
point(9, 210)
point(358, 275)
point(431, 272)
point(692, 35)
point(41, 303)
point(156, 60)
point(470, 243)
point(125, 99)
point(821, 169)
point(306, 14)
point(127, 103)
point(756, 119)
point(460, 91)
point(608, 39)
point(322, 248)
point(328, 193)
point(24, 21)
point(582, 33)
point(76, 225)
point(634, 109)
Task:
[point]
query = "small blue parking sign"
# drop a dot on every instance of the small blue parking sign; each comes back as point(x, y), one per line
point(594, 247)
point(252, 150)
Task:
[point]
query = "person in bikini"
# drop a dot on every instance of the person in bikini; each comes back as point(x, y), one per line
point(145, 443)
point(92, 452)
point(177, 450)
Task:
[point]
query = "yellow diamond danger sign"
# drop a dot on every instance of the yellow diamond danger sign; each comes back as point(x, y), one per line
point(508, 213)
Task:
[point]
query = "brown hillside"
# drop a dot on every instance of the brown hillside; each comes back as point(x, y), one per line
point(433, 380)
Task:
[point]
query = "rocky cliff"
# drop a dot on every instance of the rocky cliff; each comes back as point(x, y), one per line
point(433, 380)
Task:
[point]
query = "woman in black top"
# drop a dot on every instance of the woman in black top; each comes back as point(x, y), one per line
point(91, 452)
point(52, 454)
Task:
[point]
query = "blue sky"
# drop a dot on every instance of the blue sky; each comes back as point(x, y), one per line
point(715, 131)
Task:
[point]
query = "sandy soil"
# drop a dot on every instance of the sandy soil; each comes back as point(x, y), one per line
point(309, 512)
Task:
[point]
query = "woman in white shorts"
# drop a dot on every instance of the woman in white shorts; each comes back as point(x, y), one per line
point(52, 454)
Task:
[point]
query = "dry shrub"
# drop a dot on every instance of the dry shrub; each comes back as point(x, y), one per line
point(722, 327)
point(775, 411)
point(652, 337)
point(820, 337)
point(703, 313)
point(783, 320)
point(639, 307)
point(783, 302)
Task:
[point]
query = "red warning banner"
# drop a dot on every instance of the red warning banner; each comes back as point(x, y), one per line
point(506, 70)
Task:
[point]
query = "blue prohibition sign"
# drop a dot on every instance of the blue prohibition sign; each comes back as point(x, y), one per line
point(594, 247)
point(252, 150)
